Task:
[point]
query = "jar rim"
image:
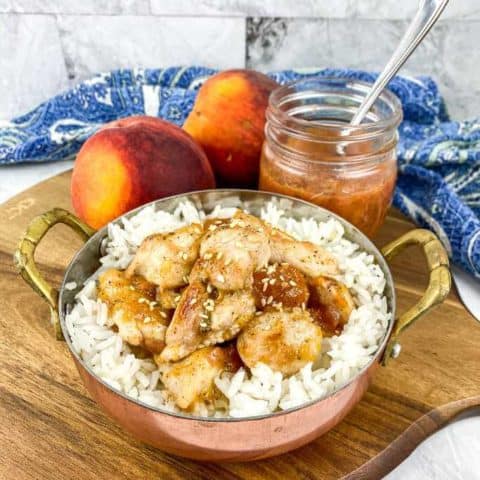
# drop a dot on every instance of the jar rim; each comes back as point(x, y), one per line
point(296, 125)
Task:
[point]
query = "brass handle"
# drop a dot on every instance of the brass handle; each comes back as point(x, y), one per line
point(24, 255)
point(438, 286)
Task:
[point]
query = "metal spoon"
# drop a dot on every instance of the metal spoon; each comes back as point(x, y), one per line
point(426, 16)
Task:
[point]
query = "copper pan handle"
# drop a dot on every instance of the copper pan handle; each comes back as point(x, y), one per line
point(438, 286)
point(25, 262)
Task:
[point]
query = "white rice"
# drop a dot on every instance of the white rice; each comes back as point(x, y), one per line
point(261, 391)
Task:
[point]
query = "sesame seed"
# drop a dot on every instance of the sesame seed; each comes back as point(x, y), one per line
point(147, 319)
point(269, 300)
point(292, 283)
point(272, 281)
point(265, 286)
point(212, 228)
point(131, 287)
point(221, 278)
point(208, 256)
point(263, 302)
point(163, 314)
point(193, 301)
point(177, 299)
point(185, 256)
point(271, 269)
point(209, 288)
point(152, 305)
point(228, 261)
point(218, 222)
point(185, 279)
point(257, 314)
point(219, 255)
point(142, 300)
point(209, 305)
point(203, 315)
point(303, 306)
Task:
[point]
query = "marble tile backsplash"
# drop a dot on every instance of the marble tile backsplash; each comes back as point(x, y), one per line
point(48, 45)
point(149, 41)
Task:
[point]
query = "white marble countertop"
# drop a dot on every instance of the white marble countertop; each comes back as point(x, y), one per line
point(453, 453)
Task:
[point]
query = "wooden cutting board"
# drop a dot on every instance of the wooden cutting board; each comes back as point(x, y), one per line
point(51, 429)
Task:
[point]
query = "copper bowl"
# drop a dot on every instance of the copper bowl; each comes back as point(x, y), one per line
point(229, 439)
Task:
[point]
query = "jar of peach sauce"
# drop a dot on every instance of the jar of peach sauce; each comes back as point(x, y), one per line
point(311, 152)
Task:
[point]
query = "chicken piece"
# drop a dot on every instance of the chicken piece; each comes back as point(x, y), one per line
point(246, 220)
point(331, 304)
point(133, 309)
point(192, 379)
point(166, 259)
point(307, 257)
point(231, 311)
point(312, 260)
point(205, 317)
point(114, 286)
point(207, 224)
point(229, 254)
point(279, 286)
point(285, 341)
point(184, 334)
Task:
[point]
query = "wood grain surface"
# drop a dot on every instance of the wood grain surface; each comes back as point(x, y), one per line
point(51, 429)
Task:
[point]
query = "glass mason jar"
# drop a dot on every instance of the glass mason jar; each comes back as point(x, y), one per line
point(311, 152)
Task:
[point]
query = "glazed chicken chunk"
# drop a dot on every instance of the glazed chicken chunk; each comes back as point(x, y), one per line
point(166, 259)
point(331, 304)
point(285, 341)
point(230, 253)
point(312, 260)
point(192, 379)
point(133, 309)
point(204, 317)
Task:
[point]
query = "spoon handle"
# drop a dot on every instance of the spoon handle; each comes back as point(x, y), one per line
point(426, 16)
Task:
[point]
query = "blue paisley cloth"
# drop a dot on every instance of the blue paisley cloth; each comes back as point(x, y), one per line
point(439, 159)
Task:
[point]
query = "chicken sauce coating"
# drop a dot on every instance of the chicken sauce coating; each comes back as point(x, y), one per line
point(279, 286)
point(192, 379)
point(133, 309)
point(330, 304)
point(204, 317)
point(285, 341)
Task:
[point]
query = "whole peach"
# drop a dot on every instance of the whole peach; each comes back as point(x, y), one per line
point(132, 161)
point(228, 120)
